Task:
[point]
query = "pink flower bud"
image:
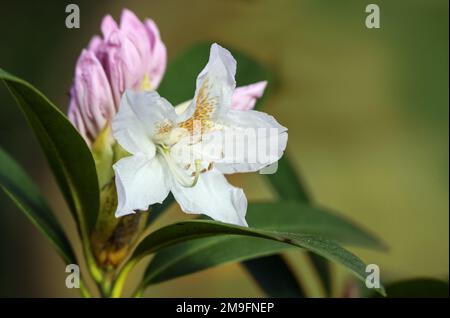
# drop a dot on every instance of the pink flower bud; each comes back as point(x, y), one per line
point(129, 56)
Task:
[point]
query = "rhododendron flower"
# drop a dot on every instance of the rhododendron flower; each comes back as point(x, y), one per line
point(127, 56)
point(187, 153)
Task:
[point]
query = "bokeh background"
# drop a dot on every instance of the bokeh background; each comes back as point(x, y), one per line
point(367, 112)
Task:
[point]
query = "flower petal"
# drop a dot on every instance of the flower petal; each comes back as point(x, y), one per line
point(215, 87)
point(76, 119)
point(92, 95)
point(135, 30)
point(108, 26)
point(245, 97)
point(95, 44)
point(158, 59)
point(213, 196)
point(198, 152)
point(140, 182)
point(252, 141)
point(137, 119)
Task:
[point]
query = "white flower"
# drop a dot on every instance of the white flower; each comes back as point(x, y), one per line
point(188, 153)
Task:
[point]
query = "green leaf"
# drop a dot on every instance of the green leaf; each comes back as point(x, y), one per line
point(281, 283)
point(291, 217)
point(417, 288)
point(19, 187)
point(275, 276)
point(179, 81)
point(157, 209)
point(287, 182)
point(288, 185)
point(190, 230)
point(67, 153)
point(200, 254)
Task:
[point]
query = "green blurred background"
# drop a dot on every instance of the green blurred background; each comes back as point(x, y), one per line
point(367, 112)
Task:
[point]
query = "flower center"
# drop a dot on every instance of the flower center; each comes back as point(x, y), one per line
point(181, 175)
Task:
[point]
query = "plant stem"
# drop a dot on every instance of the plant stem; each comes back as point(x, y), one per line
point(85, 293)
point(107, 283)
point(119, 282)
point(139, 291)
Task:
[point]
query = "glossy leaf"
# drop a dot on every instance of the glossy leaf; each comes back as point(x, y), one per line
point(67, 153)
point(289, 186)
point(275, 276)
point(292, 217)
point(287, 183)
point(280, 283)
point(191, 230)
point(157, 209)
point(25, 194)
